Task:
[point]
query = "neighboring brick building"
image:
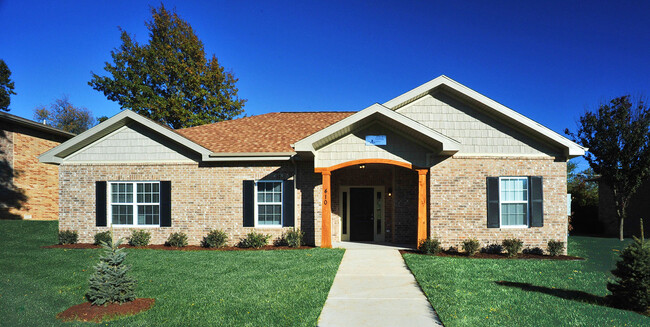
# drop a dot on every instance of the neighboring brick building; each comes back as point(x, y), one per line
point(21, 142)
point(440, 160)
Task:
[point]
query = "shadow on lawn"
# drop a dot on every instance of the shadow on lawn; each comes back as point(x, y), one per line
point(579, 296)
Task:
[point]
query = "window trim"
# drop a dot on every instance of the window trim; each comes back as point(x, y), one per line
point(134, 204)
point(281, 203)
point(527, 202)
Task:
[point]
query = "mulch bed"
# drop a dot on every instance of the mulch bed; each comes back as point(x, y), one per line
point(164, 247)
point(496, 256)
point(98, 313)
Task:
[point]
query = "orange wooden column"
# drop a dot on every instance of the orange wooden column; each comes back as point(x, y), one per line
point(326, 209)
point(422, 205)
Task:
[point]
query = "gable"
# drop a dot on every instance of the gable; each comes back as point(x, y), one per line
point(477, 132)
point(352, 146)
point(132, 143)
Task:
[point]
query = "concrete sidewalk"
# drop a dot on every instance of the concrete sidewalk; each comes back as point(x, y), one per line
point(373, 287)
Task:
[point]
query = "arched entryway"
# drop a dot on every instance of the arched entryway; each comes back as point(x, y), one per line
point(327, 194)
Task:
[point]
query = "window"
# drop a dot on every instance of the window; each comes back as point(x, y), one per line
point(269, 203)
point(135, 203)
point(513, 201)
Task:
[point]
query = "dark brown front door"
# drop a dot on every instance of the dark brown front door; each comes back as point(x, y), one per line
point(361, 214)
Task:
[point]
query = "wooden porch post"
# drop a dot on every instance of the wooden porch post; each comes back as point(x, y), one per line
point(326, 238)
point(422, 205)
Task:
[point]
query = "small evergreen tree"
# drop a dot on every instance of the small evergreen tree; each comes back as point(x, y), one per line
point(110, 283)
point(632, 288)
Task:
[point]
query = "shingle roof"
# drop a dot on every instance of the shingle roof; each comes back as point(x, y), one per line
point(272, 132)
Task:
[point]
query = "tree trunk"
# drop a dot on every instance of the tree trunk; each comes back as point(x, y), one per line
point(620, 228)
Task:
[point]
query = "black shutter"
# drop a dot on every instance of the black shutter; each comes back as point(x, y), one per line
point(287, 204)
point(165, 204)
point(100, 204)
point(492, 202)
point(536, 201)
point(249, 203)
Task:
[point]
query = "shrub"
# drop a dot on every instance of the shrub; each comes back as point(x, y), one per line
point(632, 287)
point(555, 247)
point(292, 238)
point(110, 283)
point(492, 249)
point(471, 246)
point(215, 239)
point(139, 237)
point(512, 246)
point(68, 237)
point(178, 240)
point(430, 246)
point(535, 251)
point(254, 240)
point(105, 237)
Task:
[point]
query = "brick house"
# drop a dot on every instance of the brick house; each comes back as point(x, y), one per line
point(21, 142)
point(440, 160)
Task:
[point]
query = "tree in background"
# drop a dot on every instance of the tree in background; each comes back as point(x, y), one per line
point(6, 86)
point(584, 199)
point(63, 115)
point(169, 79)
point(617, 136)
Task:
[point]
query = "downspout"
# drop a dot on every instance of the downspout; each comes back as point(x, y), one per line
point(295, 193)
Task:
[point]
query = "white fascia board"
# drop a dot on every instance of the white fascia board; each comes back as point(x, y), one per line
point(58, 153)
point(449, 145)
point(572, 149)
point(250, 156)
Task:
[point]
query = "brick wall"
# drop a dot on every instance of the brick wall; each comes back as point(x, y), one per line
point(203, 197)
point(458, 209)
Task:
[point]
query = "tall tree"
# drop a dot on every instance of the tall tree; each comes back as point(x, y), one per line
point(169, 79)
point(6, 86)
point(63, 115)
point(617, 136)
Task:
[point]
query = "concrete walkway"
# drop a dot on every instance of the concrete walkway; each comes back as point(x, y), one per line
point(373, 287)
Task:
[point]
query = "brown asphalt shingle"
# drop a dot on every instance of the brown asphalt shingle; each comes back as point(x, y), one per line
point(272, 132)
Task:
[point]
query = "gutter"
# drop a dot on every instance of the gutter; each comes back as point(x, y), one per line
point(249, 156)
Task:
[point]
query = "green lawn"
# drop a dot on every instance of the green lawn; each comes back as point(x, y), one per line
point(206, 288)
point(465, 292)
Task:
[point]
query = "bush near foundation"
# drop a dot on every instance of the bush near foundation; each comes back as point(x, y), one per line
point(555, 248)
point(254, 240)
point(512, 246)
point(68, 237)
point(178, 240)
point(215, 239)
point(139, 237)
point(471, 246)
point(292, 238)
point(105, 237)
point(430, 246)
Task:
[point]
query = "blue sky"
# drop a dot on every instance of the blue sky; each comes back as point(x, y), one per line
point(549, 60)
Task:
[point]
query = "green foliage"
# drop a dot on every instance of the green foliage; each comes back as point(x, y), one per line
point(254, 240)
point(110, 282)
point(215, 239)
point(492, 249)
point(169, 79)
point(6, 86)
point(178, 240)
point(512, 246)
point(68, 237)
point(105, 237)
point(584, 199)
point(430, 246)
point(632, 287)
point(555, 248)
point(617, 135)
point(63, 115)
point(536, 251)
point(139, 237)
point(292, 238)
point(471, 246)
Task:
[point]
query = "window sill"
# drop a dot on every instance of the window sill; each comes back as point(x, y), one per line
point(268, 226)
point(135, 226)
point(514, 227)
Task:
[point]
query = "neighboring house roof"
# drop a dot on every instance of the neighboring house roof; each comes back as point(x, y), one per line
point(571, 149)
point(23, 122)
point(446, 145)
point(269, 133)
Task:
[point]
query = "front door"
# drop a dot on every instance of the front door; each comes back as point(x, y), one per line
point(361, 214)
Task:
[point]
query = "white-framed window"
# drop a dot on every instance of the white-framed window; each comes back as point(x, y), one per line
point(268, 203)
point(513, 202)
point(134, 203)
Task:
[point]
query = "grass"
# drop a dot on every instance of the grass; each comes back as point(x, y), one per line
point(489, 292)
point(202, 288)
